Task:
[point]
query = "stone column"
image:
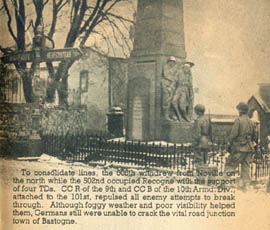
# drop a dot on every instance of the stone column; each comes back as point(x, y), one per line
point(39, 91)
point(159, 29)
point(159, 34)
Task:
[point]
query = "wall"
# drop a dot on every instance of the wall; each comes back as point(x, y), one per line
point(94, 95)
point(264, 118)
point(18, 124)
point(118, 78)
point(13, 88)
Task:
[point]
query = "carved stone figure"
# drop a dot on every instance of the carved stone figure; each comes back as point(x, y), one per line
point(185, 93)
point(177, 91)
point(169, 84)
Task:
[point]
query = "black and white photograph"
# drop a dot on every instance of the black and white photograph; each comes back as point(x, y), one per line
point(134, 114)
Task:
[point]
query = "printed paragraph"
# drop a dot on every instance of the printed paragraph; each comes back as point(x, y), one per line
point(62, 197)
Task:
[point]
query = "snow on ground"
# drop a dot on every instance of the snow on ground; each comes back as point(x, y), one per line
point(157, 143)
point(252, 206)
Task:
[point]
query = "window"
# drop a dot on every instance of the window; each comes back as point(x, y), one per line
point(84, 81)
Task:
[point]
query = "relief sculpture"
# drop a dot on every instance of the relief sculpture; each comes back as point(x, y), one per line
point(177, 91)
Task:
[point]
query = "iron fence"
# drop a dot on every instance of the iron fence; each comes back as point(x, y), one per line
point(99, 148)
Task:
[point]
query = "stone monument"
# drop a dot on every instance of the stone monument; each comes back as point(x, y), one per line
point(160, 94)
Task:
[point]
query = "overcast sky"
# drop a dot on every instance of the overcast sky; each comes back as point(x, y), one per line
point(228, 40)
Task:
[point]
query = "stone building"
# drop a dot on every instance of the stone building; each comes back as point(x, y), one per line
point(12, 89)
point(96, 82)
point(259, 105)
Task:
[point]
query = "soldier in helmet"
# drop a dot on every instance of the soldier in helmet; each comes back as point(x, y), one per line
point(177, 91)
point(201, 136)
point(183, 98)
point(243, 135)
point(169, 84)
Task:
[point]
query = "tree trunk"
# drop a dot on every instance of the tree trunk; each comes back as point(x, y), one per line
point(27, 88)
point(26, 81)
point(63, 91)
point(59, 82)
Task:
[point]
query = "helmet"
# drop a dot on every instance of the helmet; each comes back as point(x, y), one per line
point(199, 109)
point(189, 64)
point(242, 107)
point(172, 59)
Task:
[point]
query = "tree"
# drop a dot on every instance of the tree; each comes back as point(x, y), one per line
point(91, 22)
point(3, 72)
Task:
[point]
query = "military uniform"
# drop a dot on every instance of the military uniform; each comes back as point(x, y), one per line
point(169, 84)
point(241, 139)
point(177, 91)
point(201, 136)
point(184, 93)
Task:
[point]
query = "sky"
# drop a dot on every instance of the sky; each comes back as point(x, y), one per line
point(228, 40)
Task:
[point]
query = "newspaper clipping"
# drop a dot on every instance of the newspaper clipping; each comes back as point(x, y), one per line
point(135, 114)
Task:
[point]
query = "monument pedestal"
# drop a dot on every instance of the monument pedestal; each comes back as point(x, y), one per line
point(177, 132)
point(159, 34)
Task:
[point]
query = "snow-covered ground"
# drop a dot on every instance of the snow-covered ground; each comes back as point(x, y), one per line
point(252, 206)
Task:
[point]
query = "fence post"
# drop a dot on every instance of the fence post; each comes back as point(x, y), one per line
point(145, 154)
point(52, 144)
point(174, 155)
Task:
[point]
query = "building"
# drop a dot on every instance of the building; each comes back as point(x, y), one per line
point(259, 106)
point(96, 82)
point(99, 83)
point(11, 87)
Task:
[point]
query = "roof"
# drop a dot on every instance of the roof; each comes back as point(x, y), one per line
point(260, 102)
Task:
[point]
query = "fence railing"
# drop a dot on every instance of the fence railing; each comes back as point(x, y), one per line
point(99, 148)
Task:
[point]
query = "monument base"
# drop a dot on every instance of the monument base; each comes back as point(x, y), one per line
point(176, 132)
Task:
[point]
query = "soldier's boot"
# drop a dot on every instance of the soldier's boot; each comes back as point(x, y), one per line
point(166, 116)
point(177, 112)
point(184, 111)
point(166, 112)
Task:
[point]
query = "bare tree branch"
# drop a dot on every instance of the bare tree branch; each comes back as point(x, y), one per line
point(6, 50)
point(61, 5)
point(115, 28)
point(79, 9)
point(90, 18)
point(87, 18)
point(45, 3)
point(56, 9)
point(20, 23)
point(94, 22)
point(106, 38)
point(39, 6)
point(120, 17)
point(9, 21)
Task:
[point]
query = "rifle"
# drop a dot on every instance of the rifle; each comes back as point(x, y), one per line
point(210, 128)
point(268, 185)
point(258, 147)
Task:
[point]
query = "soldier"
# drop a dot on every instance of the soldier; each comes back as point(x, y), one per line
point(169, 84)
point(183, 98)
point(201, 136)
point(243, 135)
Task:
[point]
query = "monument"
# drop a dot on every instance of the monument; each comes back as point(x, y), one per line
point(160, 93)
